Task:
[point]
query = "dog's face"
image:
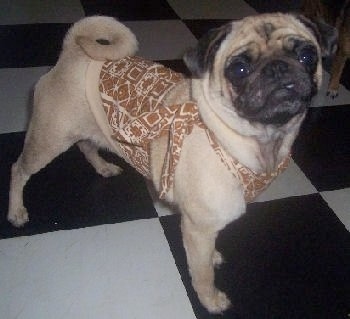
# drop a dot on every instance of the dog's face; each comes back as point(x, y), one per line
point(264, 69)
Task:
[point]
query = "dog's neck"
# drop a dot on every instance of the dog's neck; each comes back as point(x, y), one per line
point(275, 145)
point(259, 147)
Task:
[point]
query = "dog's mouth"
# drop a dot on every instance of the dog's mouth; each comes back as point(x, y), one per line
point(281, 105)
point(276, 104)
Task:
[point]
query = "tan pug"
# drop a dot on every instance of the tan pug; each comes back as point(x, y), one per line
point(209, 144)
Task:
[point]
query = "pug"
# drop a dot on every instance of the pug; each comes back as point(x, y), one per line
point(209, 143)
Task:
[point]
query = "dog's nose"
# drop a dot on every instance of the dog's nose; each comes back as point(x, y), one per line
point(275, 69)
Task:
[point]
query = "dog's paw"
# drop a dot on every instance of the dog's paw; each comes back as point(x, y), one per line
point(217, 303)
point(218, 259)
point(19, 218)
point(332, 93)
point(109, 170)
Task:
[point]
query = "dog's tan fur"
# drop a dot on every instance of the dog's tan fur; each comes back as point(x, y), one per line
point(207, 194)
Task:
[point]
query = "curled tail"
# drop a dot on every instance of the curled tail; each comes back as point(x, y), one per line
point(101, 38)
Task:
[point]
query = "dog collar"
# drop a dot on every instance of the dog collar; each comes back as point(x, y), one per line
point(253, 183)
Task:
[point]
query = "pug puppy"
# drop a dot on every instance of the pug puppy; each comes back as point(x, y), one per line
point(209, 144)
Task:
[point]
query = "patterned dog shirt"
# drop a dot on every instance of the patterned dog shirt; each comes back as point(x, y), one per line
point(132, 91)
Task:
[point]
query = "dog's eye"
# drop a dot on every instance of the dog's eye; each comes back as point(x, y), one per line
point(308, 55)
point(238, 69)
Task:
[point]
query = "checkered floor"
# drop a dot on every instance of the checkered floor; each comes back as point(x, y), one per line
point(100, 248)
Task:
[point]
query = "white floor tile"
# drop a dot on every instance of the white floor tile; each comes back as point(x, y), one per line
point(112, 271)
point(292, 182)
point(16, 91)
point(163, 39)
point(209, 9)
point(339, 201)
point(38, 11)
point(163, 209)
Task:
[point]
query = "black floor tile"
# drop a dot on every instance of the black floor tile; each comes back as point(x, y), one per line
point(130, 9)
point(201, 27)
point(323, 146)
point(29, 45)
point(287, 259)
point(275, 5)
point(176, 65)
point(68, 194)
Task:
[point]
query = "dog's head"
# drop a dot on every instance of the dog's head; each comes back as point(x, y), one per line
point(264, 68)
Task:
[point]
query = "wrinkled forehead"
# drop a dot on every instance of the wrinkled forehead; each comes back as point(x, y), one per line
point(266, 34)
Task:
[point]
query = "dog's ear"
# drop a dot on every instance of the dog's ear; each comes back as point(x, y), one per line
point(201, 58)
point(326, 35)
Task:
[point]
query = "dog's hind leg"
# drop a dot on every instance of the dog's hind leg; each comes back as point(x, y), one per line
point(38, 151)
point(102, 167)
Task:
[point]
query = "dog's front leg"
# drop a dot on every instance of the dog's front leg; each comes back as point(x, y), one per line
point(199, 243)
point(17, 213)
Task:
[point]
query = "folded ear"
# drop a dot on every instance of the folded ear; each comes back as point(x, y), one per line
point(201, 58)
point(326, 35)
